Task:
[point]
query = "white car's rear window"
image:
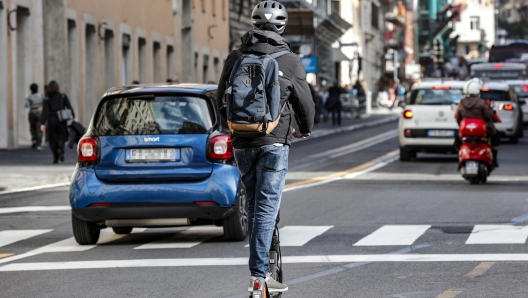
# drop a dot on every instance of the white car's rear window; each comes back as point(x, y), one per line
point(436, 96)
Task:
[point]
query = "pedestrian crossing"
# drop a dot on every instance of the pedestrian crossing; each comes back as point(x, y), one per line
point(290, 236)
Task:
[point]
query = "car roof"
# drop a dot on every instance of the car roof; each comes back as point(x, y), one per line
point(493, 66)
point(431, 84)
point(166, 88)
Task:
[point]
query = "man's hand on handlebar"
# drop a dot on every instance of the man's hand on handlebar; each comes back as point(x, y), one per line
point(295, 135)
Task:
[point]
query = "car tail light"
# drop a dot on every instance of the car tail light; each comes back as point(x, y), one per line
point(441, 88)
point(407, 133)
point(88, 150)
point(498, 65)
point(508, 107)
point(408, 114)
point(486, 89)
point(221, 148)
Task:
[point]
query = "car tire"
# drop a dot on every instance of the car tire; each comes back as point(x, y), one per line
point(236, 225)
point(123, 230)
point(405, 155)
point(85, 232)
point(514, 140)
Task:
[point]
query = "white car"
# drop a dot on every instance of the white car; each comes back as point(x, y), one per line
point(521, 88)
point(428, 123)
point(508, 108)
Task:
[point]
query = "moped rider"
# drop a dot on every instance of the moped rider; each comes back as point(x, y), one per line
point(472, 106)
point(263, 161)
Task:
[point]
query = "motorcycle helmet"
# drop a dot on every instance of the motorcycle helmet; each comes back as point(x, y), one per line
point(472, 87)
point(270, 16)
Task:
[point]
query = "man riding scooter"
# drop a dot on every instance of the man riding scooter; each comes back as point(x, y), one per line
point(472, 106)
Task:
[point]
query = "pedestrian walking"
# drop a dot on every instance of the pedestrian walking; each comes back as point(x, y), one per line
point(333, 104)
point(34, 103)
point(263, 160)
point(54, 120)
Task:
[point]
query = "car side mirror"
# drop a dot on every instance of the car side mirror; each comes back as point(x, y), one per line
point(402, 104)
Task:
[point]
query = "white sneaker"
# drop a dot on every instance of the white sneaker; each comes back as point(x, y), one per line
point(275, 286)
point(39, 148)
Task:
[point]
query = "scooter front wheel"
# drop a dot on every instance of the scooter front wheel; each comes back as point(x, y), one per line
point(483, 173)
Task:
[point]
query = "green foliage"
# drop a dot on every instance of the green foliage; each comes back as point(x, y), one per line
point(518, 30)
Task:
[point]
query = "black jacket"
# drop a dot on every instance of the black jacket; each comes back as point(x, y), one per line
point(55, 130)
point(293, 85)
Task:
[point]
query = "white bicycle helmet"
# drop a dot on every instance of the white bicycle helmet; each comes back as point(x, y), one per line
point(270, 16)
point(473, 87)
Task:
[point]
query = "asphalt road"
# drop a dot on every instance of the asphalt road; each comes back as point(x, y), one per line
point(355, 222)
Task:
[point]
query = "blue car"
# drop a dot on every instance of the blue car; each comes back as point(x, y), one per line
point(156, 156)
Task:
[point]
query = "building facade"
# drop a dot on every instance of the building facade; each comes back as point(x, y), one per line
point(91, 46)
point(476, 27)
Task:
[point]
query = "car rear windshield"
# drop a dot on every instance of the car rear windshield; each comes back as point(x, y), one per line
point(495, 95)
point(436, 97)
point(154, 116)
point(521, 90)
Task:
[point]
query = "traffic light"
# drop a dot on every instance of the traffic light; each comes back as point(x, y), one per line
point(453, 44)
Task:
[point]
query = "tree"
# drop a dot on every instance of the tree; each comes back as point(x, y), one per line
point(518, 30)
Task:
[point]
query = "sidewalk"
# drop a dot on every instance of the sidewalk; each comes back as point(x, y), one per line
point(25, 168)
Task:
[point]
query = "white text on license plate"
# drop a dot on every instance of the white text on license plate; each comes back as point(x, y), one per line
point(153, 155)
point(441, 133)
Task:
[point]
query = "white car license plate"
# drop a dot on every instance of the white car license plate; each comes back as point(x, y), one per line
point(472, 167)
point(441, 133)
point(153, 155)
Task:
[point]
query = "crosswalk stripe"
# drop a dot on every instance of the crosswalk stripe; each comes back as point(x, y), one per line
point(498, 234)
point(393, 235)
point(300, 235)
point(186, 239)
point(10, 237)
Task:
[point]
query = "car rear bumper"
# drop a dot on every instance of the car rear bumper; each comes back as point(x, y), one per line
point(221, 188)
point(431, 148)
point(152, 211)
point(425, 142)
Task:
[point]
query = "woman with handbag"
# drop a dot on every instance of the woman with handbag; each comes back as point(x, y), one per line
point(57, 111)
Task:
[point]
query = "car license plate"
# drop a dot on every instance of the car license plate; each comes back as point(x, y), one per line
point(472, 167)
point(153, 155)
point(441, 133)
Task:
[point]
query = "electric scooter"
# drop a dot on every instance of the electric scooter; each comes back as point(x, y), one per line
point(260, 289)
point(475, 156)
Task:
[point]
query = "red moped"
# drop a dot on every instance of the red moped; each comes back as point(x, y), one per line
point(474, 156)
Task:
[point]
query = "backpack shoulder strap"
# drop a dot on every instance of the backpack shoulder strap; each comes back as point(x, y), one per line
point(236, 66)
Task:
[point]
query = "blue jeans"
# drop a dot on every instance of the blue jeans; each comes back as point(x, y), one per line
point(263, 172)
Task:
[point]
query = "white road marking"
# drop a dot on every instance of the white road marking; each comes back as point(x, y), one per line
point(498, 234)
point(200, 262)
point(300, 235)
point(5, 192)
point(7, 210)
point(366, 143)
point(186, 239)
point(70, 245)
point(12, 236)
point(392, 235)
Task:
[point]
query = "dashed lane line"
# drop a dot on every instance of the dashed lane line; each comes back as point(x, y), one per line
point(481, 269)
